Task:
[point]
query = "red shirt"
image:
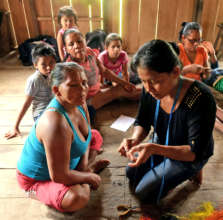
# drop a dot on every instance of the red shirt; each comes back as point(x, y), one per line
point(91, 70)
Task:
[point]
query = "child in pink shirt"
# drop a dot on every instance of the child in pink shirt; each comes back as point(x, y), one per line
point(67, 18)
point(114, 58)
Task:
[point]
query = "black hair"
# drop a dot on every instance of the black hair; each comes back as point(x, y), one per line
point(42, 50)
point(71, 30)
point(67, 11)
point(187, 27)
point(175, 47)
point(111, 37)
point(157, 55)
point(96, 39)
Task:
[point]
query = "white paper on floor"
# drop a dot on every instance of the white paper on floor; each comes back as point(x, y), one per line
point(123, 123)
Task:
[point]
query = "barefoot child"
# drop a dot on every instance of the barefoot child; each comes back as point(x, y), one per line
point(38, 91)
point(67, 18)
point(114, 58)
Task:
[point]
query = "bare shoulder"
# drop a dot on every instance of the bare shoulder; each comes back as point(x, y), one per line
point(52, 123)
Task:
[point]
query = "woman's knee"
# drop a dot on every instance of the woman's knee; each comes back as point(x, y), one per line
point(76, 198)
point(147, 194)
point(130, 173)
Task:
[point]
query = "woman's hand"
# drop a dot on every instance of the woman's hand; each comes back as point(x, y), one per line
point(139, 154)
point(209, 47)
point(194, 68)
point(211, 52)
point(94, 180)
point(11, 134)
point(126, 145)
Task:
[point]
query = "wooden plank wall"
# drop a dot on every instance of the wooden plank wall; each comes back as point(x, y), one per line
point(142, 20)
point(212, 14)
point(145, 20)
point(7, 35)
point(34, 17)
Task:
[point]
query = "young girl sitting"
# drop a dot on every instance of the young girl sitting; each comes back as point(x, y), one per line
point(67, 18)
point(114, 58)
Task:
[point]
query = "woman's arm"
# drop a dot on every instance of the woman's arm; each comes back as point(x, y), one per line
point(56, 135)
point(16, 131)
point(83, 164)
point(60, 46)
point(211, 52)
point(204, 71)
point(181, 153)
point(192, 68)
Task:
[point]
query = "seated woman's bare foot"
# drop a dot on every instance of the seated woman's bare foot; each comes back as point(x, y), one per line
point(197, 178)
point(99, 165)
point(93, 153)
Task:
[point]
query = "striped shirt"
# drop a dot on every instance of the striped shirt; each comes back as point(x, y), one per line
point(38, 87)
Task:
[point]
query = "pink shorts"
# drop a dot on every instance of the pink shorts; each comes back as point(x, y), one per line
point(48, 192)
point(96, 140)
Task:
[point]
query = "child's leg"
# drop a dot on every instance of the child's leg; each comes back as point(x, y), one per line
point(120, 76)
point(95, 149)
point(107, 95)
point(95, 145)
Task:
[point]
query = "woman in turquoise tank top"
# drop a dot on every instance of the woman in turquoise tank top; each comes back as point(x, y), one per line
point(53, 166)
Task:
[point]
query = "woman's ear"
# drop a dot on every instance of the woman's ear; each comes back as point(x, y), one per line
point(176, 71)
point(183, 38)
point(55, 90)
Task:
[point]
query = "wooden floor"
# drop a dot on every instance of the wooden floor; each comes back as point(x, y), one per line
point(114, 188)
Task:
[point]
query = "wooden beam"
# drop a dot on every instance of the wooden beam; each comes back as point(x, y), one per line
point(47, 18)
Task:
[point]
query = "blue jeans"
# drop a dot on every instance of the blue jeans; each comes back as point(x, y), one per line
point(146, 182)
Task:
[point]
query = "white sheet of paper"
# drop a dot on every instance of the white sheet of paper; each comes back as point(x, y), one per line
point(123, 123)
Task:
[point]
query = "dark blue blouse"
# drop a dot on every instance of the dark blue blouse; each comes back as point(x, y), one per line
point(192, 122)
